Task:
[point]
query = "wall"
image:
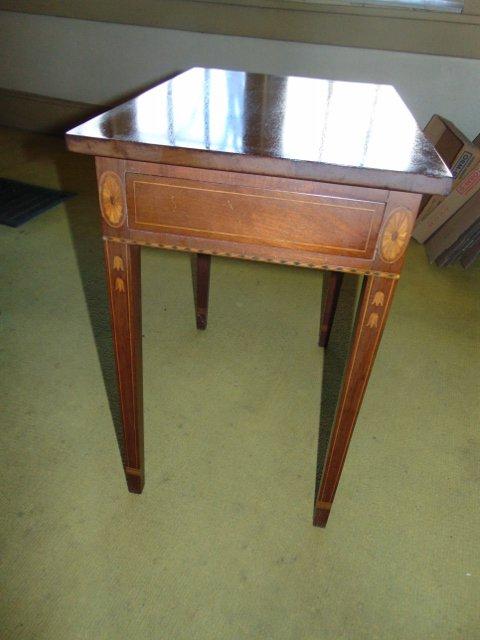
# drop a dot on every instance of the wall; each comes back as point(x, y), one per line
point(317, 22)
point(97, 63)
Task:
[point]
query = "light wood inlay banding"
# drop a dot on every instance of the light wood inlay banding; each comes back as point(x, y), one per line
point(243, 256)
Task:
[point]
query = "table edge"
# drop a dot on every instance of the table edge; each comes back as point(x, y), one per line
point(279, 167)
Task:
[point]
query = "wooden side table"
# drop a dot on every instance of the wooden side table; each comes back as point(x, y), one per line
point(312, 173)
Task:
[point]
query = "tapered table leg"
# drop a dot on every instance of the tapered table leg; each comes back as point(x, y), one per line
point(374, 305)
point(332, 283)
point(201, 288)
point(123, 277)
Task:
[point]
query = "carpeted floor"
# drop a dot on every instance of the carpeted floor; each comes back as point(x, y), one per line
point(220, 545)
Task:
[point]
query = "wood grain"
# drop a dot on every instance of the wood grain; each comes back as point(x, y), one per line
point(263, 192)
point(122, 264)
point(317, 223)
point(375, 302)
point(268, 127)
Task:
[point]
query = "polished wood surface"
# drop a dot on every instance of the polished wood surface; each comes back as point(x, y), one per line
point(343, 132)
point(375, 302)
point(349, 224)
point(264, 216)
point(311, 173)
point(122, 264)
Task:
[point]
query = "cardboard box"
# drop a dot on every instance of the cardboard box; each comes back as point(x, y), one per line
point(470, 254)
point(459, 224)
point(464, 190)
point(458, 153)
point(451, 255)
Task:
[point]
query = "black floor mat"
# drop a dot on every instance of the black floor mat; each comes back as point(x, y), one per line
point(20, 202)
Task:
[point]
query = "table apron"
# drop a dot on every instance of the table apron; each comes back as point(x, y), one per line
point(264, 218)
point(247, 215)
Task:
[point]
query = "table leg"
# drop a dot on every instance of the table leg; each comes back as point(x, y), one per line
point(332, 283)
point(373, 308)
point(201, 288)
point(123, 277)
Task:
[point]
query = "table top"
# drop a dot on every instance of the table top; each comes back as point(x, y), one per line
point(333, 131)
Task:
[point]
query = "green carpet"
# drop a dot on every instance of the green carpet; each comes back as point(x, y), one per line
point(220, 545)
